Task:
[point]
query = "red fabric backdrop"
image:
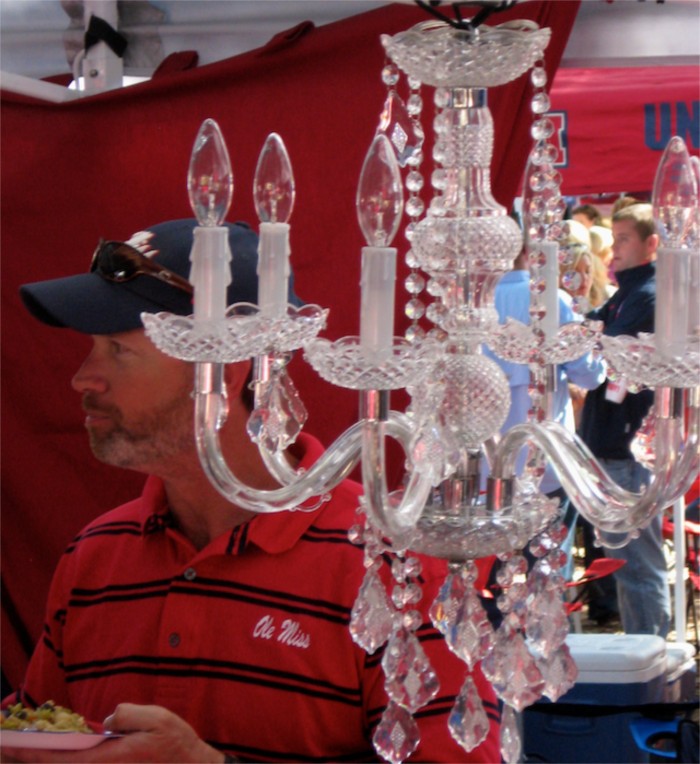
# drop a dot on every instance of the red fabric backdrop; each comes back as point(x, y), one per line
point(113, 163)
point(616, 122)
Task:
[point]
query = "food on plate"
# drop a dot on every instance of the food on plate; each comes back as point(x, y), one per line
point(48, 717)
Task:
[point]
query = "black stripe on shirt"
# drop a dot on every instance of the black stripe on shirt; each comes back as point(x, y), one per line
point(214, 669)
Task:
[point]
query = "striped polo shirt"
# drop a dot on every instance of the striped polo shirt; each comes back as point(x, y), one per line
point(246, 639)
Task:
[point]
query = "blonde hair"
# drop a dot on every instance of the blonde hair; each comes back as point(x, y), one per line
point(601, 242)
point(597, 294)
point(599, 289)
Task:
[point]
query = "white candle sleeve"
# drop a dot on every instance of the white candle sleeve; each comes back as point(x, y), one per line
point(377, 305)
point(273, 269)
point(211, 272)
point(671, 314)
point(694, 294)
point(550, 296)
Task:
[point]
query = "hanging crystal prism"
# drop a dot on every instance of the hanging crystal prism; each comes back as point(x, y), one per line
point(468, 722)
point(512, 600)
point(512, 669)
point(547, 623)
point(398, 127)
point(372, 616)
point(279, 414)
point(511, 744)
point(458, 614)
point(642, 445)
point(559, 672)
point(410, 679)
point(397, 735)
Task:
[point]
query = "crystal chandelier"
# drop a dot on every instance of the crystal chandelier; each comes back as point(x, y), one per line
point(459, 248)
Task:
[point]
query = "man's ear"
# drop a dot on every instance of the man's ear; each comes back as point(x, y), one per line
point(652, 243)
point(236, 376)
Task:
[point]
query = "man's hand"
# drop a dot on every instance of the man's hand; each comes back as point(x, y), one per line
point(151, 734)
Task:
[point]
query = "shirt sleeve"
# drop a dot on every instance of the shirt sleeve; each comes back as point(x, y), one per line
point(587, 372)
point(45, 677)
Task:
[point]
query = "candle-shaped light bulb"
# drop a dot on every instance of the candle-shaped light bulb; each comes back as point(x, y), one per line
point(550, 297)
point(675, 196)
point(695, 235)
point(210, 180)
point(379, 206)
point(210, 186)
point(380, 194)
point(273, 191)
point(273, 187)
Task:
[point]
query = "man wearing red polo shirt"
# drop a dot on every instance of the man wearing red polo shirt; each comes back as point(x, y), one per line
point(204, 631)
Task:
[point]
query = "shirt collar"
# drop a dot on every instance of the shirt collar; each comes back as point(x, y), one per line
point(631, 276)
point(273, 532)
point(279, 531)
point(515, 276)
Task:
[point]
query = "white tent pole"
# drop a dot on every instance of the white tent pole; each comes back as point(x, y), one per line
point(679, 547)
point(101, 67)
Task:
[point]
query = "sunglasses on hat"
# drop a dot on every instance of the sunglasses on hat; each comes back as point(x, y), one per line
point(119, 262)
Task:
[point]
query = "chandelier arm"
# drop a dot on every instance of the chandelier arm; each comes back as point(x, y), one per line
point(280, 468)
point(602, 501)
point(333, 467)
point(278, 465)
point(668, 404)
point(402, 518)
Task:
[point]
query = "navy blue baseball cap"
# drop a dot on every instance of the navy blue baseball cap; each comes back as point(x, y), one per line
point(94, 303)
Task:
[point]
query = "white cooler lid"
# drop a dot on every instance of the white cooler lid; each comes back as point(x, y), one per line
point(680, 656)
point(617, 658)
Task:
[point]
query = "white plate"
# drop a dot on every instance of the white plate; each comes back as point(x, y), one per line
point(53, 741)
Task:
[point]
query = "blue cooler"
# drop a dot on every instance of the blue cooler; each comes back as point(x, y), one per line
point(591, 722)
point(681, 673)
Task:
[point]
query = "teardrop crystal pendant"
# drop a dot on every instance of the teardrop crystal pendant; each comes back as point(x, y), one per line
point(279, 415)
point(512, 670)
point(372, 617)
point(459, 615)
point(410, 679)
point(468, 722)
point(511, 743)
point(403, 133)
point(397, 735)
point(559, 672)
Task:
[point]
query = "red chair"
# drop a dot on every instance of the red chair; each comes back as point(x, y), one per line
point(599, 568)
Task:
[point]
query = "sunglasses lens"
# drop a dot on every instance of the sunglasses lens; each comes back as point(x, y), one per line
point(114, 262)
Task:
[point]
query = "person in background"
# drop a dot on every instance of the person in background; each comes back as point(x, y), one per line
point(624, 201)
point(601, 247)
point(582, 277)
point(590, 280)
point(611, 416)
point(512, 300)
point(203, 631)
point(587, 214)
point(592, 284)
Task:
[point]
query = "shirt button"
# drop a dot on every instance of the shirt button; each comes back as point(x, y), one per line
point(174, 639)
point(190, 574)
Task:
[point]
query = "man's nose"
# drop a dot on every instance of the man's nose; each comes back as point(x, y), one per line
point(90, 376)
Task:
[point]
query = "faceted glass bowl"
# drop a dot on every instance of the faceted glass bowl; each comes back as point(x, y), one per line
point(441, 56)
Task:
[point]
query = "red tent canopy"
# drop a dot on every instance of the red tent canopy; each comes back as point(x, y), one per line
point(614, 123)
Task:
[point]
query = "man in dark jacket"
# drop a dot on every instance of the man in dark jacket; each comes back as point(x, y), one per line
point(612, 416)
